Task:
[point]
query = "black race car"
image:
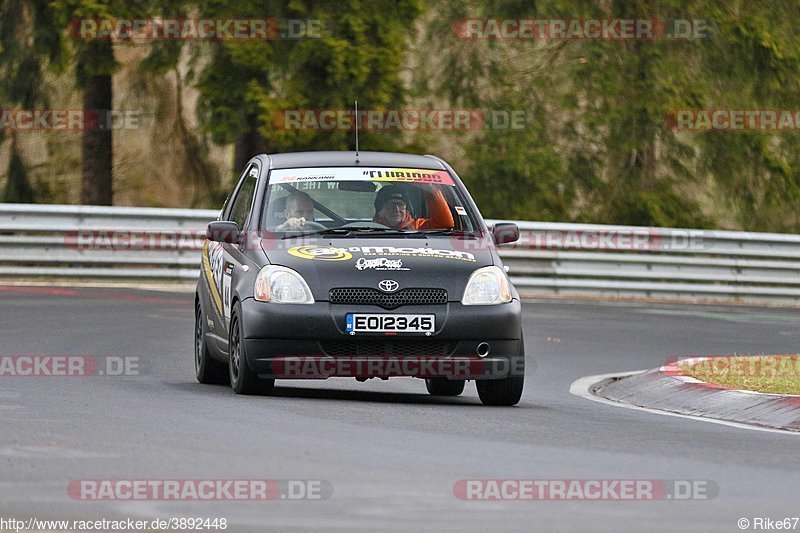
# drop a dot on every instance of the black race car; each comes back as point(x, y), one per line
point(337, 264)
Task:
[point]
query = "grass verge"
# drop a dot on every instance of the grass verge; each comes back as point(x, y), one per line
point(777, 374)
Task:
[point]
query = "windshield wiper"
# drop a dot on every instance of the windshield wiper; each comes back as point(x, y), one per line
point(448, 232)
point(352, 229)
point(443, 231)
point(373, 229)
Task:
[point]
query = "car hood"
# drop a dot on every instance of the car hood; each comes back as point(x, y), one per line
point(363, 262)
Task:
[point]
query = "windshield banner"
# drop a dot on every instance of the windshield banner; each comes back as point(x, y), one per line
point(411, 175)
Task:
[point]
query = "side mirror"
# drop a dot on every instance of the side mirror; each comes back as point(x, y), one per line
point(224, 231)
point(505, 232)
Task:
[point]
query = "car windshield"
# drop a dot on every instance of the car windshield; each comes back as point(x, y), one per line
point(357, 200)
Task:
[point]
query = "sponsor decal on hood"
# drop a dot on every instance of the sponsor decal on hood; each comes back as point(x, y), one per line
point(325, 253)
point(380, 263)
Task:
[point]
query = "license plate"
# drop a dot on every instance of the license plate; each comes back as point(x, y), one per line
point(371, 323)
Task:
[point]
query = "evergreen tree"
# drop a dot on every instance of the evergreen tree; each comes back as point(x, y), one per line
point(29, 44)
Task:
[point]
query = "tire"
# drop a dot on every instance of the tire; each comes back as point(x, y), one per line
point(206, 369)
point(444, 386)
point(243, 379)
point(506, 391)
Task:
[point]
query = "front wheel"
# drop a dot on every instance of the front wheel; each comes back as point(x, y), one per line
point(506, 391)
point(206, 369)
point(243, 379)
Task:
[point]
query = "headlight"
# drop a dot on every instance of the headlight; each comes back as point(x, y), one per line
point(487, 286)
point(281, 285)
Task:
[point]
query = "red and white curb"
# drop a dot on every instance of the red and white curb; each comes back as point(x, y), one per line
point(674, 369)
point(666, 391)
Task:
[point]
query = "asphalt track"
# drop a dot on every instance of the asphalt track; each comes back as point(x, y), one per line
point(391, 453)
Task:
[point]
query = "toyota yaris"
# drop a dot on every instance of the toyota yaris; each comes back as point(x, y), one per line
point(371, 265)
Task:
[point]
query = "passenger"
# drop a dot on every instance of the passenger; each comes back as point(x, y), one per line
point(391, 209)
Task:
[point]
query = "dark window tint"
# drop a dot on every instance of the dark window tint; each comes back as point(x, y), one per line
point(243, 201)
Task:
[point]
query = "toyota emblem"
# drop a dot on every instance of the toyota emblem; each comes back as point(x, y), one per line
point(388, 285)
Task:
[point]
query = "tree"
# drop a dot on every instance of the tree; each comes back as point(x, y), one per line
point(29, 43)
point(359, 55)
point(754, 63)
point(187, 154)
point(622, 91)
point(95, 65)
point(595, 147)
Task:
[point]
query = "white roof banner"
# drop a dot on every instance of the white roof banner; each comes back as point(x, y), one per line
point(410, 175)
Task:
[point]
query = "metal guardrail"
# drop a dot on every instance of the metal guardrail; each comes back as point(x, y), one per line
point(64, 241)
point(56, 241)
point(627, 261)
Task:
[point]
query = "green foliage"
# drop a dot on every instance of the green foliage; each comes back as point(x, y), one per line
point(596, 146)
point(29, 44)
point(359, 55)
point(754, 63)
point(95, 57)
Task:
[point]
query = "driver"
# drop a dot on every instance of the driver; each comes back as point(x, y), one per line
point(391, 209)
point(299, 210)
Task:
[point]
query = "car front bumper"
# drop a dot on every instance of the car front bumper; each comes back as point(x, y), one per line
point(311, 342)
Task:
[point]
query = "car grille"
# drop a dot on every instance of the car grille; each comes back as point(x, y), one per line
point(365, 296)
point(396, 348)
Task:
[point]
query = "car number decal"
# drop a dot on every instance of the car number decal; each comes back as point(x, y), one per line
point(226, 289)
point(209, 262)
